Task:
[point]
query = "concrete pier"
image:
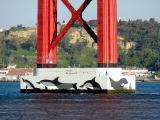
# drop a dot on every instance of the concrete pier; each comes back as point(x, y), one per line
point(77, 80)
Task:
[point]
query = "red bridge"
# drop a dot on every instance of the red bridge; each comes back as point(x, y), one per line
point(47, 31)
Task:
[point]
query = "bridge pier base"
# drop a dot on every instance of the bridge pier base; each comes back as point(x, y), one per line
point(77, 80)
point(104, 79)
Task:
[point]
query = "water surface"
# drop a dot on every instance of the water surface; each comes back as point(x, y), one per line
point(144, 104)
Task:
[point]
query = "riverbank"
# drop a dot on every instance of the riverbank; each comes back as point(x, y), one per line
point(148, 80)
point(2, 80)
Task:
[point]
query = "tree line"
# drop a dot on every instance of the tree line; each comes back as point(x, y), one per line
point(145, 53)
point(146, 36)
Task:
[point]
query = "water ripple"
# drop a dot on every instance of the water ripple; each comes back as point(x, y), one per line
point(144, 104)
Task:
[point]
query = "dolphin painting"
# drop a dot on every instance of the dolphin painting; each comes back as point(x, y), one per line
point(28, 84)
point(118, 85)
point(91, 85)
point(55, 84)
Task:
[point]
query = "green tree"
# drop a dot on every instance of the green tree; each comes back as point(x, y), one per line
point(158, 73)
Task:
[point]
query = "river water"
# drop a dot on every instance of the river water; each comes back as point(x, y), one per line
point(143, 105)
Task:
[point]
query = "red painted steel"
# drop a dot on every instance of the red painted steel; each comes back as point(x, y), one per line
point(47, 31)
point(76, 15)
point(107, 33)
point(53, 33)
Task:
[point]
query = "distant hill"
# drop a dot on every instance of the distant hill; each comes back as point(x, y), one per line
point(138, 45)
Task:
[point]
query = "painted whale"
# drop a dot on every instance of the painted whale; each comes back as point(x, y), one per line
point(91, 85)
point(28, 84)
point(55, 84)
point(118, 85)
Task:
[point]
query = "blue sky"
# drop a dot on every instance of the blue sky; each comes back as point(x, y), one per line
point(15, 12)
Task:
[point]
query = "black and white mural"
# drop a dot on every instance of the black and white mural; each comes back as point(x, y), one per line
point(91, 85)
point(120, 84)
point(77, 79)
point(28, 84)
point(55, 84)
point(38, 83)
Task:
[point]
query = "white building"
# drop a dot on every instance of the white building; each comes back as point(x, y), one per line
point(3, 72)
point(1, 30)
point(119, 19)
point(11, 66)
point(15, 74)
point(135, 71)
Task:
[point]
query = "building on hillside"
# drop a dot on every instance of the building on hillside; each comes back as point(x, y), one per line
point(15, 74)
point(3, 73)
point(1, 30)
point(119, 19)
point(156, 77)
point(28, 71)
point(135, 71)
point(10, 66)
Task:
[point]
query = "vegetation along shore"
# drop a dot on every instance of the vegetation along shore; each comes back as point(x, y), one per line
point(138, 45)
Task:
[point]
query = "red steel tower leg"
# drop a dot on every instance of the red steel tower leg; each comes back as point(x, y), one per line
point(107, 33)
point(47, 31)
point(76, 15)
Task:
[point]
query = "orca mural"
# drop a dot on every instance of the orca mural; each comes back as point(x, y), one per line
point(55, 84)
point(29, 85)
point(65, 84)
point(88, 80)
point(91, 85)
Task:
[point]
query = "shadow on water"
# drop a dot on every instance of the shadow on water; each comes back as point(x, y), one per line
point(144, 104)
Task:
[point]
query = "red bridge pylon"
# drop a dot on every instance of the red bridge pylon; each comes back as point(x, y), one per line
point(48, 39)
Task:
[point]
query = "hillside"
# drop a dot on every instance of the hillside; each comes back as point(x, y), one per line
point(22, 34)
point(74, 34)
point(138, 45)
